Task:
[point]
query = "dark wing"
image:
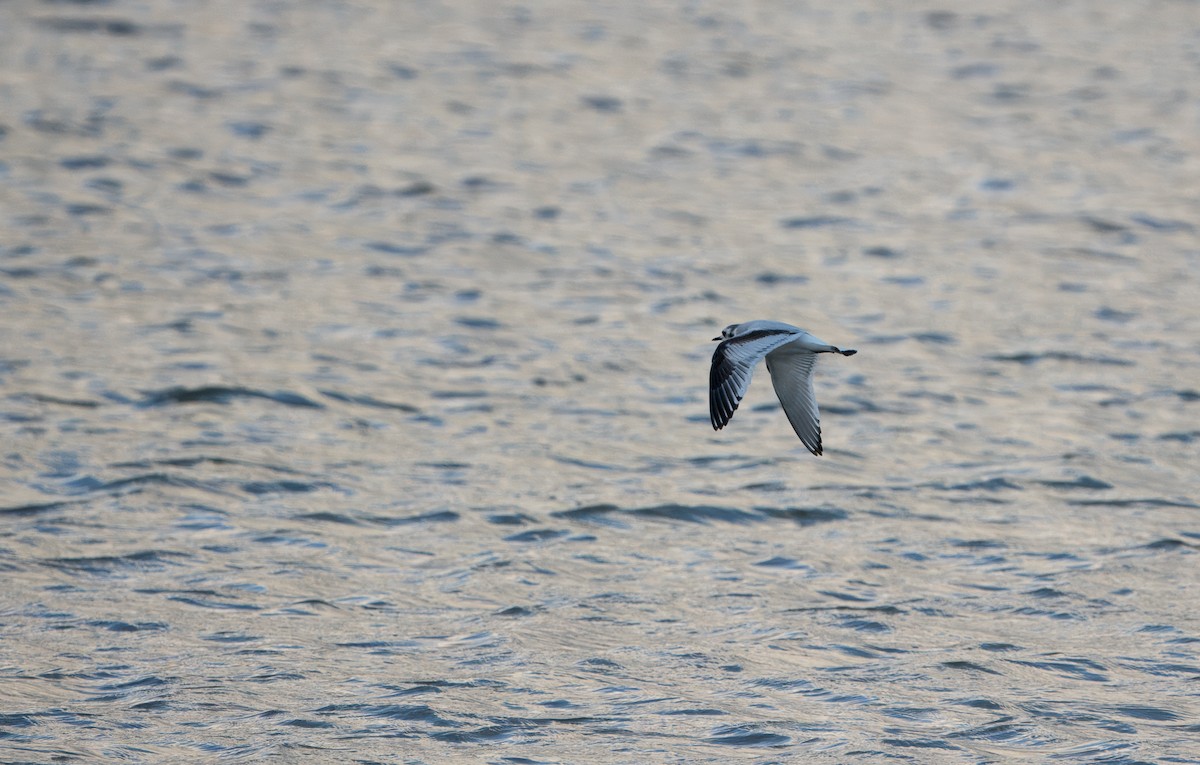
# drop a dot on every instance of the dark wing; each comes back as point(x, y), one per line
point(732, 367)
point(791, 374)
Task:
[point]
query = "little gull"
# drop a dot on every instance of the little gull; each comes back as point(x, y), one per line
point(790, 353)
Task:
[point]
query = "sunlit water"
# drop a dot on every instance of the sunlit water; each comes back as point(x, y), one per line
point(354, 364)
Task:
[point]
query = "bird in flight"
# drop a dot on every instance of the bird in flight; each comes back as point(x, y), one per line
point(791, 353)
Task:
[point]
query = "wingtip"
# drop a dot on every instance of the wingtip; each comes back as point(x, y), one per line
point(819, 448)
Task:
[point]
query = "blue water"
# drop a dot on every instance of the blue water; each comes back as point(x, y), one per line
point(353, 376)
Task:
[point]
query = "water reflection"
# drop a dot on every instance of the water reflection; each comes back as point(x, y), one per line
point(354, 384)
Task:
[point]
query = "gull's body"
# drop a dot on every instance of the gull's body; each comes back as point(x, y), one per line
point(791, 354)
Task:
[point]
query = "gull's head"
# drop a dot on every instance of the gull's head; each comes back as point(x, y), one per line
point(728, 332)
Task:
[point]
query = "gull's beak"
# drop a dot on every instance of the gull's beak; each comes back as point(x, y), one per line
point(717, 338)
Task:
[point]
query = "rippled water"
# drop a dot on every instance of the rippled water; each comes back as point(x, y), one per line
point(354, 365)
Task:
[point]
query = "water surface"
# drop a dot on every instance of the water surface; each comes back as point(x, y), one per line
point(353, 383)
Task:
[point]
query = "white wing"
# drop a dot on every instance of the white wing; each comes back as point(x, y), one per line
point(791, 374)
point(732, 366)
